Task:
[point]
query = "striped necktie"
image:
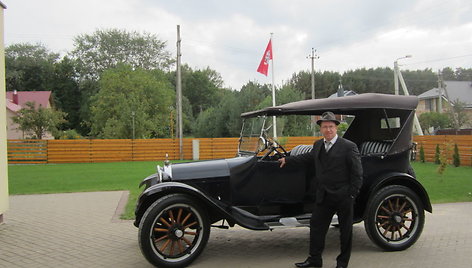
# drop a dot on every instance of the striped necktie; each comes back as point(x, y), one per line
point(327, 145)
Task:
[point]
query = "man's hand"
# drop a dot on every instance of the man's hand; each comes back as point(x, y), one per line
point(282, 162)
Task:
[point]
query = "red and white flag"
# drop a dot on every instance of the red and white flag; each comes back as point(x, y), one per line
point(264, 65)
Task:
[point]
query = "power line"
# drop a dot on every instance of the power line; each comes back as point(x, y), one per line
point(440, 59)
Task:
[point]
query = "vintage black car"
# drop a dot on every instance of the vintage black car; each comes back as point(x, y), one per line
point(182, 201)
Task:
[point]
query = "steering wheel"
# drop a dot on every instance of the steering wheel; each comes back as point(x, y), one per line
point(276, 148)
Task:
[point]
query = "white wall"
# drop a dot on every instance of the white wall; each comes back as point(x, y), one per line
point(3, 126)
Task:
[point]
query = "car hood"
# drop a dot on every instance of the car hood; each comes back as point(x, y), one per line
point(211, 168)
point(200, 170)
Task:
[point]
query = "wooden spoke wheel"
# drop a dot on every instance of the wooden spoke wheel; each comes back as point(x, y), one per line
point(173, 232)
point(395, 218)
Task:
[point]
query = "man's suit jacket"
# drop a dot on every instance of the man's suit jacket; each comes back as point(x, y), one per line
point(340, 175)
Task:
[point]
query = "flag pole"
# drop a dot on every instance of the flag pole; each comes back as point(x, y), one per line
point(273, 91)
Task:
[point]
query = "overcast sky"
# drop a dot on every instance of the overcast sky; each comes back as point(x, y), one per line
point(230, 36)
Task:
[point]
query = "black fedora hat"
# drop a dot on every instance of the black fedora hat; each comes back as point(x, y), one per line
point(328, 116)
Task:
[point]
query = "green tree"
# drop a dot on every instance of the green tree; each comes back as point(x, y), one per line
point(458, 114)
point(326, 83)
point(107, 48)
point(66, 92)
point(203, 88)
point(364, 80)
point(29, 67)
point(380, 80)
point(252, 94)
point(88, 89)
point(38, 121)
point(229, 115)
point(433, 120)
point(448, 74)
point(293, 125)
point(222, 120)
point(129, 96)
point(207, 124)
point(342, 127)
point(463, 74)
point(419, 81)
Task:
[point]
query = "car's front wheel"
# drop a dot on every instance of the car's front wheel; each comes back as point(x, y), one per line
point(173, 231)
point(394, 218)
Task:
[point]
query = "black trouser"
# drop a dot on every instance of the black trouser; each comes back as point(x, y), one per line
point(321, 220)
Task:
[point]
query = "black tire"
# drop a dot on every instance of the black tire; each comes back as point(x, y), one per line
point(395, 218)
point(174, 231)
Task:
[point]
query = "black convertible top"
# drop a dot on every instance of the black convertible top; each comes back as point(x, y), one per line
point(340, 105)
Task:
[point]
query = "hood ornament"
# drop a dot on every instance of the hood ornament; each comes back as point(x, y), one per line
point(167, 162)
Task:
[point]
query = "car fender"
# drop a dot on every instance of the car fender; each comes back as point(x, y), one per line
point(406, 180)
point(156, 191)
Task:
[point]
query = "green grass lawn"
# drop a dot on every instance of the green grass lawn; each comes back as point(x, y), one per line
point(455, 185)
point(66, 178)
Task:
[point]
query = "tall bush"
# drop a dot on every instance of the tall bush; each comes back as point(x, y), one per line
point(456, 159)
point(422, 158)
point(437, 154)
point(443, 156)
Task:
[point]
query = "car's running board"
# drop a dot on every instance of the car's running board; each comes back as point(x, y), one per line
point(296, 222)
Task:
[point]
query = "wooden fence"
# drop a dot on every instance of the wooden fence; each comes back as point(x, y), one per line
point(92, 151)
point(446, 142)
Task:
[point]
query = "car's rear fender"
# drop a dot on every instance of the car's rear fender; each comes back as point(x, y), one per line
point(399, 178)
point(216, 210)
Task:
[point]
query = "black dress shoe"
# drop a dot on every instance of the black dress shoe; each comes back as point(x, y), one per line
point(309, 263)
point(341, 266)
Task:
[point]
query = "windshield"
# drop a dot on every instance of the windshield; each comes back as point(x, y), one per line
point(251, 133)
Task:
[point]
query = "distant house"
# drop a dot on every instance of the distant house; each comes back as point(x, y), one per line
point(341, 93)
point(345, 93)
point(16, 100)
point(453, 91)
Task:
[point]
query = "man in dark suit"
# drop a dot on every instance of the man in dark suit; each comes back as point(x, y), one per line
point(338, 178)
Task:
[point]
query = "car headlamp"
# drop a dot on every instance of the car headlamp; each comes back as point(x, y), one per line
point(262, 144)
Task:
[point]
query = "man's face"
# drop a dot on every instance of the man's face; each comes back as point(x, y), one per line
point(328, 129)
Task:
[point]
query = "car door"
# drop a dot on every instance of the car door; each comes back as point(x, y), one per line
point(265, 188)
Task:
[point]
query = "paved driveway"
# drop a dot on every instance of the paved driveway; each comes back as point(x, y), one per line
point(81, 230)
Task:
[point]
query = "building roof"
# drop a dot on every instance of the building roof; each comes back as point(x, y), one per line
point(13, 107)
point(41, 98)
point(455, 90)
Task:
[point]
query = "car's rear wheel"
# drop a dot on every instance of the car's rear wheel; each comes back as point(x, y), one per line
point(394, 218)
point(173, 231)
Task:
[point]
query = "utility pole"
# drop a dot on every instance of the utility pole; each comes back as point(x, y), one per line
point(396, 71)
point(395, 77)
point(313, 56)
point(440, 87)
point(399, 77)
point(179, 96)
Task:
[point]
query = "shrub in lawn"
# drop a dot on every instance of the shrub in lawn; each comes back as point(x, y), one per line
point(456, 159)
point(422, 159)
point(443, 158)
point(436, 155)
